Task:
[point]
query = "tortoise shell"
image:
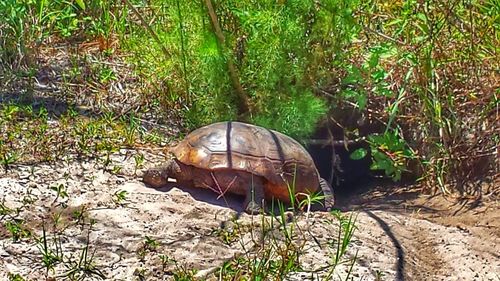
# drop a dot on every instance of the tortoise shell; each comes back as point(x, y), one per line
point(279, 159)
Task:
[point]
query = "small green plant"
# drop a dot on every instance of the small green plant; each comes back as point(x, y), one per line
point(17, 229)
point(139, 161)
point(229, 232)
point(300, 201)
point(140, 273)
point(57, 219)
point(154, 137)
point(106, 74)
point(109, 147)
point(50, 257)
point(165, 260)
point(179, 272)
point(77, 267)
point(131, 129)
point(390, 153)
point(315, 198)
point(9, 111)
point(28, 198)
point(60, 190)
point(15, 277)
point(80, 215)
point(116, 169)
point(379, 275)
point(182, 273)
point(347, 226)
point(120, 196)
point(8, 158)
point(150, 244)
point(83, 266)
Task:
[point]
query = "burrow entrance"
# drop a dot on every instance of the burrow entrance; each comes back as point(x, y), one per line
point(333, 158)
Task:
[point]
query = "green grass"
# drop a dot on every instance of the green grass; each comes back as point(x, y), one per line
point(279, 253)
point(78, 265)
point(17, 229)
point(29, 137)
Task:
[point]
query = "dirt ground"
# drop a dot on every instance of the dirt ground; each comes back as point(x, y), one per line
point(401, 234)
point(435, 237)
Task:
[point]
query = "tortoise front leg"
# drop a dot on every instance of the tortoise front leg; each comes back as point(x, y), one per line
point(254, 197)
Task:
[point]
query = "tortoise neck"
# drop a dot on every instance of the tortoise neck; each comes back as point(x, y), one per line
point(179, 171)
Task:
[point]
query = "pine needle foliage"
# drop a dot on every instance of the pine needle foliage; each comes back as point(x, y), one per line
point(278, 48)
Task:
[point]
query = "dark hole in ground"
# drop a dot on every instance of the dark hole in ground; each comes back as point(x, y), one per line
point(354, 177)
point(346, 175)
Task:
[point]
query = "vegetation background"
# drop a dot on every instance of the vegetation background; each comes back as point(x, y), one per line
point(421, 77)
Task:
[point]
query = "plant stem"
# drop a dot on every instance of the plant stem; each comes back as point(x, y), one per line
point(243, 103)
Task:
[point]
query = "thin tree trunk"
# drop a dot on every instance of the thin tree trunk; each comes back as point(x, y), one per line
point(243, 103)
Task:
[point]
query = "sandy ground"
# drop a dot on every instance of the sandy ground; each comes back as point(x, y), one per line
point(401, 235)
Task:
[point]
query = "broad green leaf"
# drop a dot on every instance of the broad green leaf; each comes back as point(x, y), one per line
point(358, 154)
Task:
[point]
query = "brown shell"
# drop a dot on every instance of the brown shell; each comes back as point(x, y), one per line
point(245, 147)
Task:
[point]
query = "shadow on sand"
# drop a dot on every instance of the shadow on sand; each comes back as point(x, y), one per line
point(400, 264)
point(231, 201)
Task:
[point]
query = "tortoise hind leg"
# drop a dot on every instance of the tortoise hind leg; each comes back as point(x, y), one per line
point(327, 190)
point(254, 197)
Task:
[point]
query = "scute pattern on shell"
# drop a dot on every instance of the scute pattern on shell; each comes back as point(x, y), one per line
point(250, 148)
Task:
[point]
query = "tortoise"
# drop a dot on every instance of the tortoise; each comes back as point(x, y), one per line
point(242, 159)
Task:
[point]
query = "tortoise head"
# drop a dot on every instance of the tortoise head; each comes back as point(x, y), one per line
point(158, 177)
